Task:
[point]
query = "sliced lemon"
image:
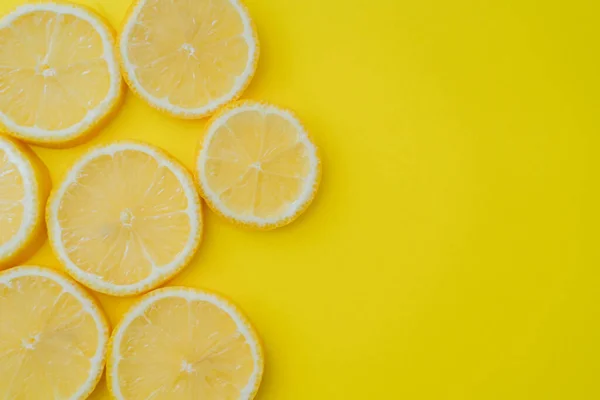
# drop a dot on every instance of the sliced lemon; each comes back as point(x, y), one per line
point(24, 187)
point(59, 77)
point(180, 343)
point(125, 219)
point(257, 166)
point(188, 57)
point(53, 336)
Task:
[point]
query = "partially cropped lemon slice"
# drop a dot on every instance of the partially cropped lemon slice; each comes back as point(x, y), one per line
point(180, 343)
point(24, 187)
point(59, 78)
point(186, 57)
point(257, 166)
point(125, 219)
point(53, 336)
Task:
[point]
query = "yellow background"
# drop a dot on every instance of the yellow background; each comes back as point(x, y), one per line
point(452, 252)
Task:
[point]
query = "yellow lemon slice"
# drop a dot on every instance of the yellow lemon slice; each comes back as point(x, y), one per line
point(125, 219)
point(24, 187)
point(189, 57)
point(53, 336)
point(59, 77)
point(180, 343)
point(257, 166)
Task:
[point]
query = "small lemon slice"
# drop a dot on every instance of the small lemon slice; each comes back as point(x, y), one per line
point(257, 166)
point(125, 219)
point(53, 336)
point(188, 57)
point(24, 187)
point(59, 77)
point(180, 343)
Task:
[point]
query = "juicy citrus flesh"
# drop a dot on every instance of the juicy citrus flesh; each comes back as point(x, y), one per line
point(52, 340)
point(184, 344)
point(125, 215)
point(257, 164)
point(12, 197)
point(24, 187)
point(191, 55)
point(54, 70)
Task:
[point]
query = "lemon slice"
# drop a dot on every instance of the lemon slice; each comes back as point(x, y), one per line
point(180, 343)
point(257, 166)
point(24, 187)
point(189, 57)
point(53, 336)
point(59, 78)
point(125, 219)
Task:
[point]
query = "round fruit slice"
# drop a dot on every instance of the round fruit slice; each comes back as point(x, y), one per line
point(257, 166)
point(180, 343)
point(188, 57)
point(59, 78)
point(24, 187)
point(125, 219)
point(53, 336)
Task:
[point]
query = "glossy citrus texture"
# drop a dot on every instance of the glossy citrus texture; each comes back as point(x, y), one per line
point(188, 57)
point(452, 250)
point(180, 343)
point(24, 187)
point(257, 166)
point(125, 218)
point(59, 78)
point(53, 337)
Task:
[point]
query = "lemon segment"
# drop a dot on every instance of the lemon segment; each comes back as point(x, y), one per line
point(53, 337)
point(59, 77)
point(257, 166)
point(24, 187)
point(180, 343)
point(125, 219)
point(188, 57)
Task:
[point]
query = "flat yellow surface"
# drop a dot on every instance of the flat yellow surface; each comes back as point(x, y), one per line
point(453, 249)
